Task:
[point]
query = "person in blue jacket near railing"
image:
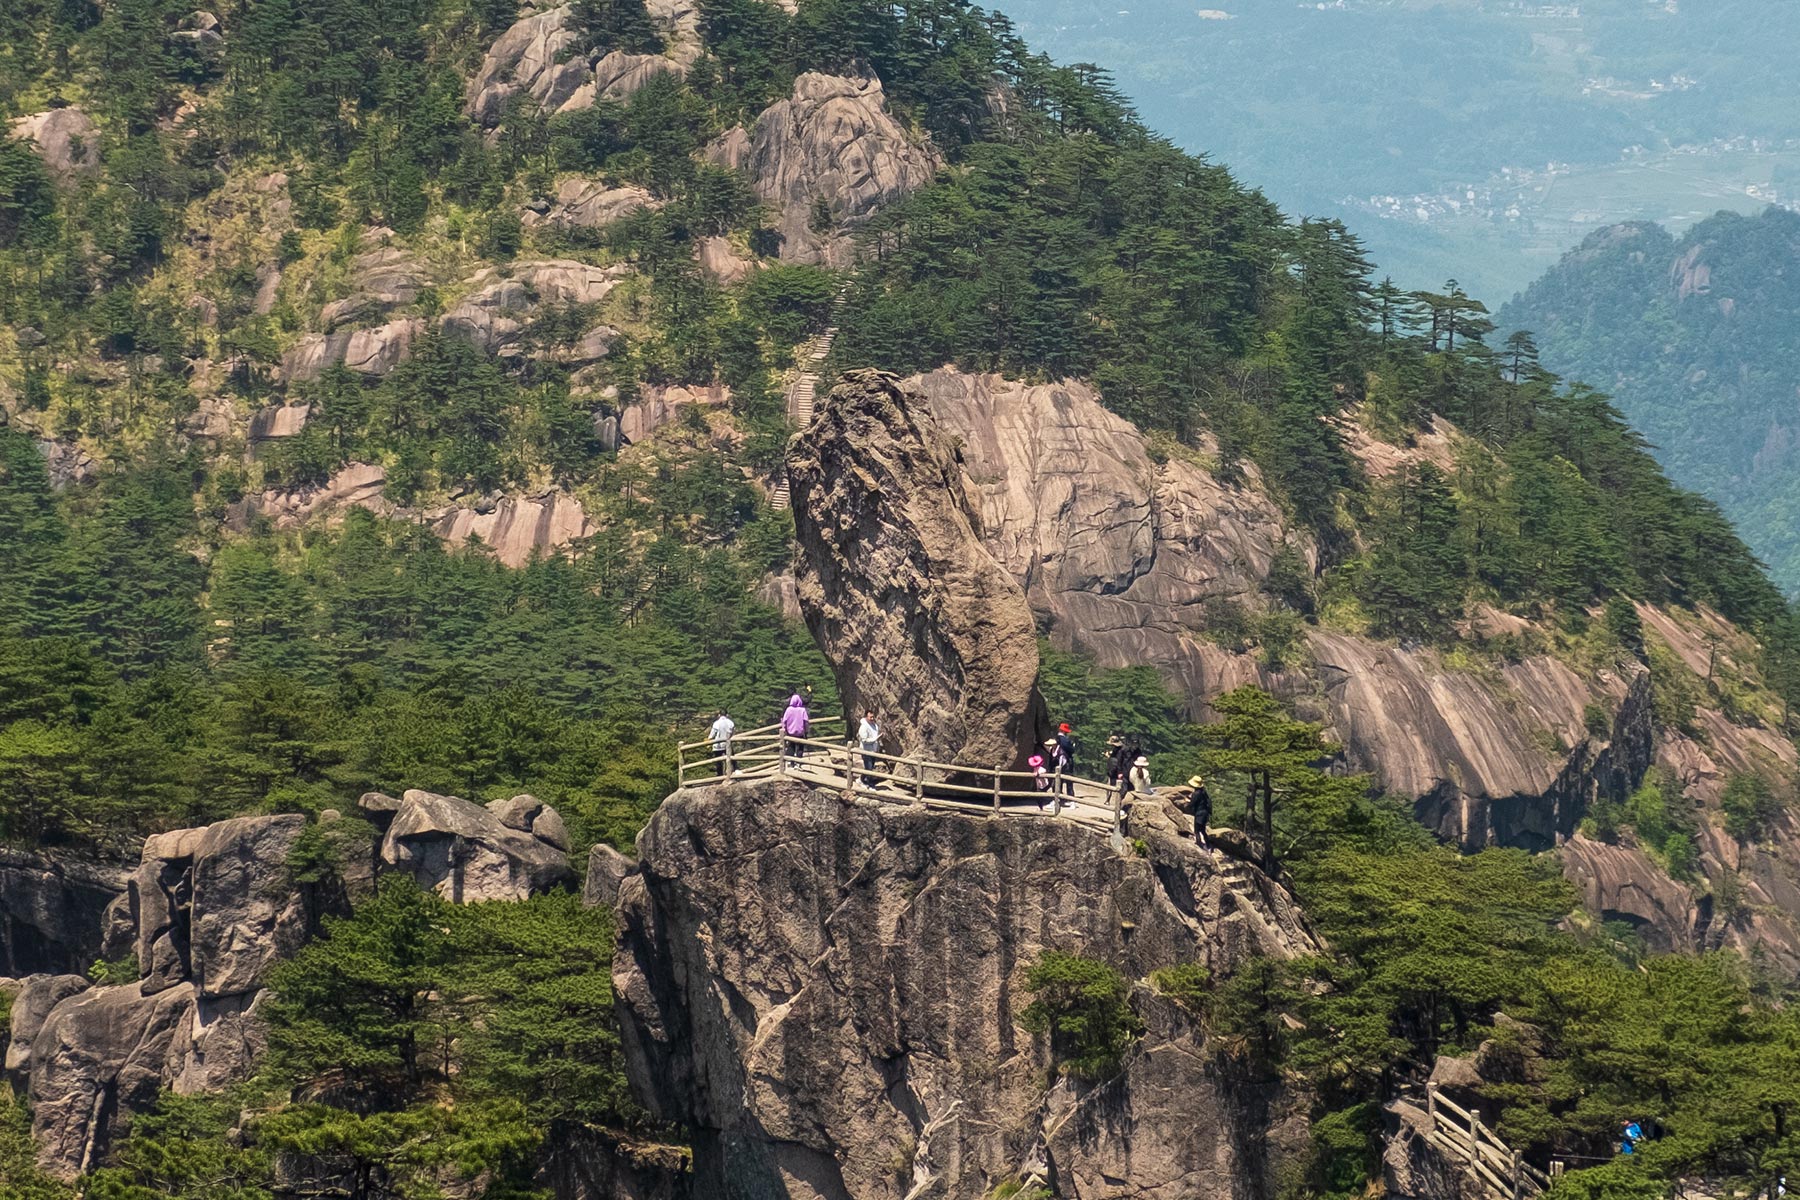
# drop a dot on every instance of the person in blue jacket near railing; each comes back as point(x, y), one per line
point(795, 722)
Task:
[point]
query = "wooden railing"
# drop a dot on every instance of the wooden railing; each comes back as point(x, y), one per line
point(1465, 1141)
point(765, 752)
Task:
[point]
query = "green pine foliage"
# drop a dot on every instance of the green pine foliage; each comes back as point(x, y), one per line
point(1083, 1006)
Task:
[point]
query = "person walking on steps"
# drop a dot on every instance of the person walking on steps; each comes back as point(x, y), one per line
point(795, 723)
point(868, 737)
point(1065, 757)
point(722, 729)
point(1200, 807)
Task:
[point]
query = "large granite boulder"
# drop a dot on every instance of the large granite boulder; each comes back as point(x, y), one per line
point(917, 618)
point(518, 528)
point(370, 353)
point(497, 313)
point(50, 910)
point(829, 994)
point(65, 138)
point(247, 911)
point(534, 56)
point(468, 854)
point(33, 999)
point(832, 140)
point(100, 1057)
point(607, 871)
point(589, 204)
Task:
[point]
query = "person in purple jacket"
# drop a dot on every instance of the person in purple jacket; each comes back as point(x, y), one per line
point(795, 723)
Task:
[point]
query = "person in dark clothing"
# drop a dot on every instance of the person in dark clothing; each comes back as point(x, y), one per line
point(1118, 758)
point(1200, 806)
point(1065, 757)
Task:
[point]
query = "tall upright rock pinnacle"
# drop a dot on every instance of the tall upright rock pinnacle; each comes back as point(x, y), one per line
point(918, 619)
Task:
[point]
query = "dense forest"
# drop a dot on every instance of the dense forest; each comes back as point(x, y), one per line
point(166, 660)
point(1691, 335)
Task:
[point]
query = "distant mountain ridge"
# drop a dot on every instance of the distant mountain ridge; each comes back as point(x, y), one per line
point(1694, 339)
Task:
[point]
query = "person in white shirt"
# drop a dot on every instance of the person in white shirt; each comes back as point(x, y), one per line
point(868, 737)
point(722, 729)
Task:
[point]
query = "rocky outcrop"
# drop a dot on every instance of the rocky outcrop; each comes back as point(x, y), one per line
point(607, 871)
point(496, 314)
point(382, 279)
point(518, 527)
point(1501, 757)
point(829, 994)
point(66, 139)
point(1622, 883)
point(466, 853)
point(588, 204)
point(99, 1057)
point(831, 141)
point(371, 353)
point(50, 911)
point(619, 74)
point(33, 1000)
point(918, 619)
point(1128, 556)
point(533, 57)
point(278, 421)
point(720, 261)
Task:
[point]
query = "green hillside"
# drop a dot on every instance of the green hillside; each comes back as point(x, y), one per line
point(1693, 336)
point(174, 651)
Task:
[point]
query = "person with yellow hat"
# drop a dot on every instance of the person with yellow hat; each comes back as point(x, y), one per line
point(1200, 807)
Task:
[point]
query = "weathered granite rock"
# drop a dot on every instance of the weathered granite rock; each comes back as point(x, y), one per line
point(247, 910)
point(829, 994)
point(35, 997)
point(532, 57)
point(1120, 554)
point(832, 140)
point(721, 262)
point(466, 854)
point(50, 911)
point(227, 1039)
point(917, 618)
point(1412, 1167)
point(278, 421)
point(494, 316)
point(382, 279)
point(607, 869)
point(588, 204)
point(1622, 883)
point(619, 74)
point(368, 352)
point(66, 139)
point(1123, 557)
point(518, 527)
point(355, 485)
point(101, 1056)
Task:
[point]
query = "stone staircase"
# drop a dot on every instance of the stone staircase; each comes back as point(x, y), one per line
point(805, 390)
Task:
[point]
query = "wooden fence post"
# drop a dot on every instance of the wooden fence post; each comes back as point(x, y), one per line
point(1518, 1177)
point(1118, 811)
point(1474, 1136)
point(1431, 1102)
point(919, 780)
point(997, 787)
point(1056, 791)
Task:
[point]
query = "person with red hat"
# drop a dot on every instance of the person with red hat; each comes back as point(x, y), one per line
point(1065, 757)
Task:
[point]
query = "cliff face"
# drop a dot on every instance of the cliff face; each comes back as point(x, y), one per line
point(1131, 559)
point(828, 993)
point(918, 619)
point(50, 912)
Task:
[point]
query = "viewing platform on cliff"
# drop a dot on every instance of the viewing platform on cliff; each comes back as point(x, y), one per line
point(766, 753)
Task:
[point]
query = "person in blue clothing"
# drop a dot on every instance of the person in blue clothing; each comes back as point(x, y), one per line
point(1628, 1140)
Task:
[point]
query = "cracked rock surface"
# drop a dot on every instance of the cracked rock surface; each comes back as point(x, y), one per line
point(830, 993)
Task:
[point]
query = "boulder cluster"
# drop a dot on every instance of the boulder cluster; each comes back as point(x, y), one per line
point(202, 920)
